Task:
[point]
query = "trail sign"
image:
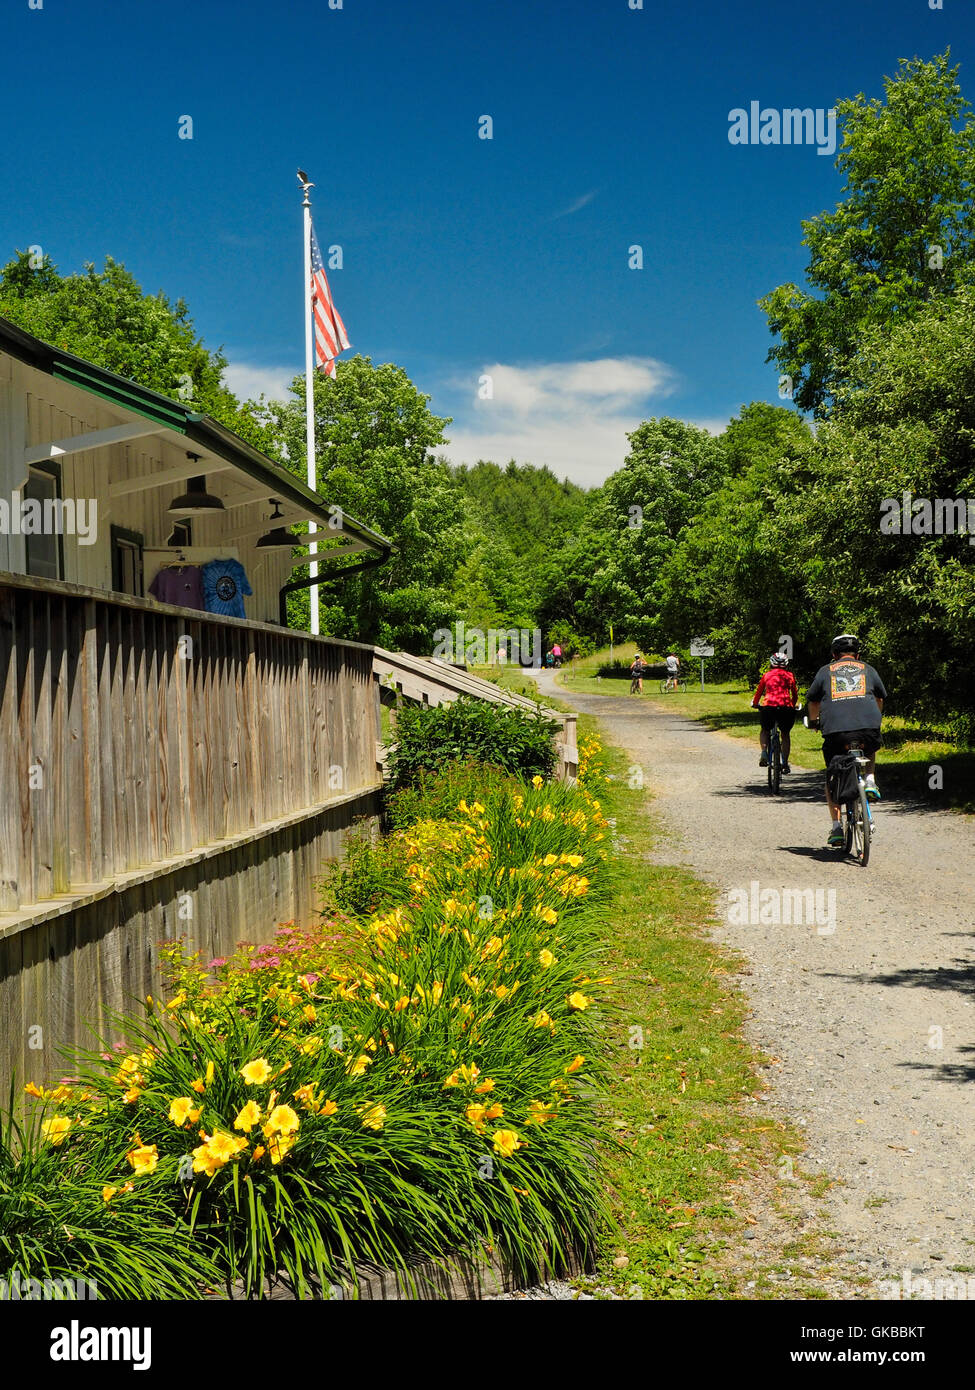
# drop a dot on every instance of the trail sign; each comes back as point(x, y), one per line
point(699, 647)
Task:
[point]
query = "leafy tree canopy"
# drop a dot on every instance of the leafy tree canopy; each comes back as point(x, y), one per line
point(106, 318)
point(904, 231)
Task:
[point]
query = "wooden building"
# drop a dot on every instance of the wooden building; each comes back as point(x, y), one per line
point(164, 770)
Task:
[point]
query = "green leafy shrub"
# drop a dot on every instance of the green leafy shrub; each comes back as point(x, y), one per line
point(511, 739)
point(372, 874)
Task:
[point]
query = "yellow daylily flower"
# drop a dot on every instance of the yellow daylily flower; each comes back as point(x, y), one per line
point(278, 1146)
point(475, 1115)
point(506, 1141)
point(143, 1159)
point(546, 959)
point(373, 1116)
point(56, 1128)
point(577, 1062)
point(248, 1116)
point(225, 1146)
point(182, 1110)
point(577, 1001)
point(282, 1120)
point(256, 1073)
point(205, 1161)
point(539, 1113)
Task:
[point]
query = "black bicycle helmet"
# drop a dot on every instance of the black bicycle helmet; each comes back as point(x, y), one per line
point(845, 642)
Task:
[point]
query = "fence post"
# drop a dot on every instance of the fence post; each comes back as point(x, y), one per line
point(568, 766)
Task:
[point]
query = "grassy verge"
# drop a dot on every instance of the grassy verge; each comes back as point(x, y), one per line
point(699, 1163)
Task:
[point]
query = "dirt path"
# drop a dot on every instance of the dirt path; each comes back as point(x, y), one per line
point(869, 1007)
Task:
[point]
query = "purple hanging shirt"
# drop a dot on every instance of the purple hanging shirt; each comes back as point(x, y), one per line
point(181, 586)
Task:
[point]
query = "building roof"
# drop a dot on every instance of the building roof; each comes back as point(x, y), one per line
point(182, 419)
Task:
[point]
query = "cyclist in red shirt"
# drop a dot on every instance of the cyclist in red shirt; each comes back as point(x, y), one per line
point(780, 692)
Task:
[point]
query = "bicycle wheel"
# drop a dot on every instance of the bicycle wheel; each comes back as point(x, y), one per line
point(861, 828)
point(774, 761)
point(663, 687)
point(682, 687)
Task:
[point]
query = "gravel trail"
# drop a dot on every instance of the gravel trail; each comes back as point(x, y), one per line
point(869, 1007)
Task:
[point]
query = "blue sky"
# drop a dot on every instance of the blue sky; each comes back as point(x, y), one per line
point(462, 256)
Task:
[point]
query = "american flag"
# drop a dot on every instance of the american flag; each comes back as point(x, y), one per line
point(330, 338)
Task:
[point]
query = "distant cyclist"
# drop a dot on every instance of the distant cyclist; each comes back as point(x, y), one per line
point(780, 693)
point(638, 670)
point(847, 697)
point(673, 670)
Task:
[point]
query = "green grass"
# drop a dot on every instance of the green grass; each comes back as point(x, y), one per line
point(906, 762)
point(694, 1154)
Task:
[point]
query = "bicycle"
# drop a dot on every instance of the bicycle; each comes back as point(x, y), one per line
point(635, 685)
point(673, 683)
point(855, 813)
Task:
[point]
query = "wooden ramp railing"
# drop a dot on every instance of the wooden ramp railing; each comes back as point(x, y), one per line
point(430, 681)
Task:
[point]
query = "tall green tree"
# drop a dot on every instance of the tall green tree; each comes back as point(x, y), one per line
point(733, 576)
point(374, 437)
point(904, 231)
point(644, 508)
point(903, 576)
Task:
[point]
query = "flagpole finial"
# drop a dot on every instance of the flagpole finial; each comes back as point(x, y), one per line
point(306, 184)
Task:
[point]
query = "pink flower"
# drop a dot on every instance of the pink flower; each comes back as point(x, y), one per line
point(217, 962)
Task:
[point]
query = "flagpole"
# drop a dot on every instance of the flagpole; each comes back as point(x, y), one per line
point(310, 404)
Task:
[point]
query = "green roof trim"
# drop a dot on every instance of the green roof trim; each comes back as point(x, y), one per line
point(121, 392)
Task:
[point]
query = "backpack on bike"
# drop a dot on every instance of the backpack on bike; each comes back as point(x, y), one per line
point(843, 778)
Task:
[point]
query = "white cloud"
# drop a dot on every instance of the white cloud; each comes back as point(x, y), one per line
point(578, 203)
point(248, 381)
point(574, 416)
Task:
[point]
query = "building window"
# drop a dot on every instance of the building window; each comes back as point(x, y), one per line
point(44, 552)
point(127, 562)
point(182, 534)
